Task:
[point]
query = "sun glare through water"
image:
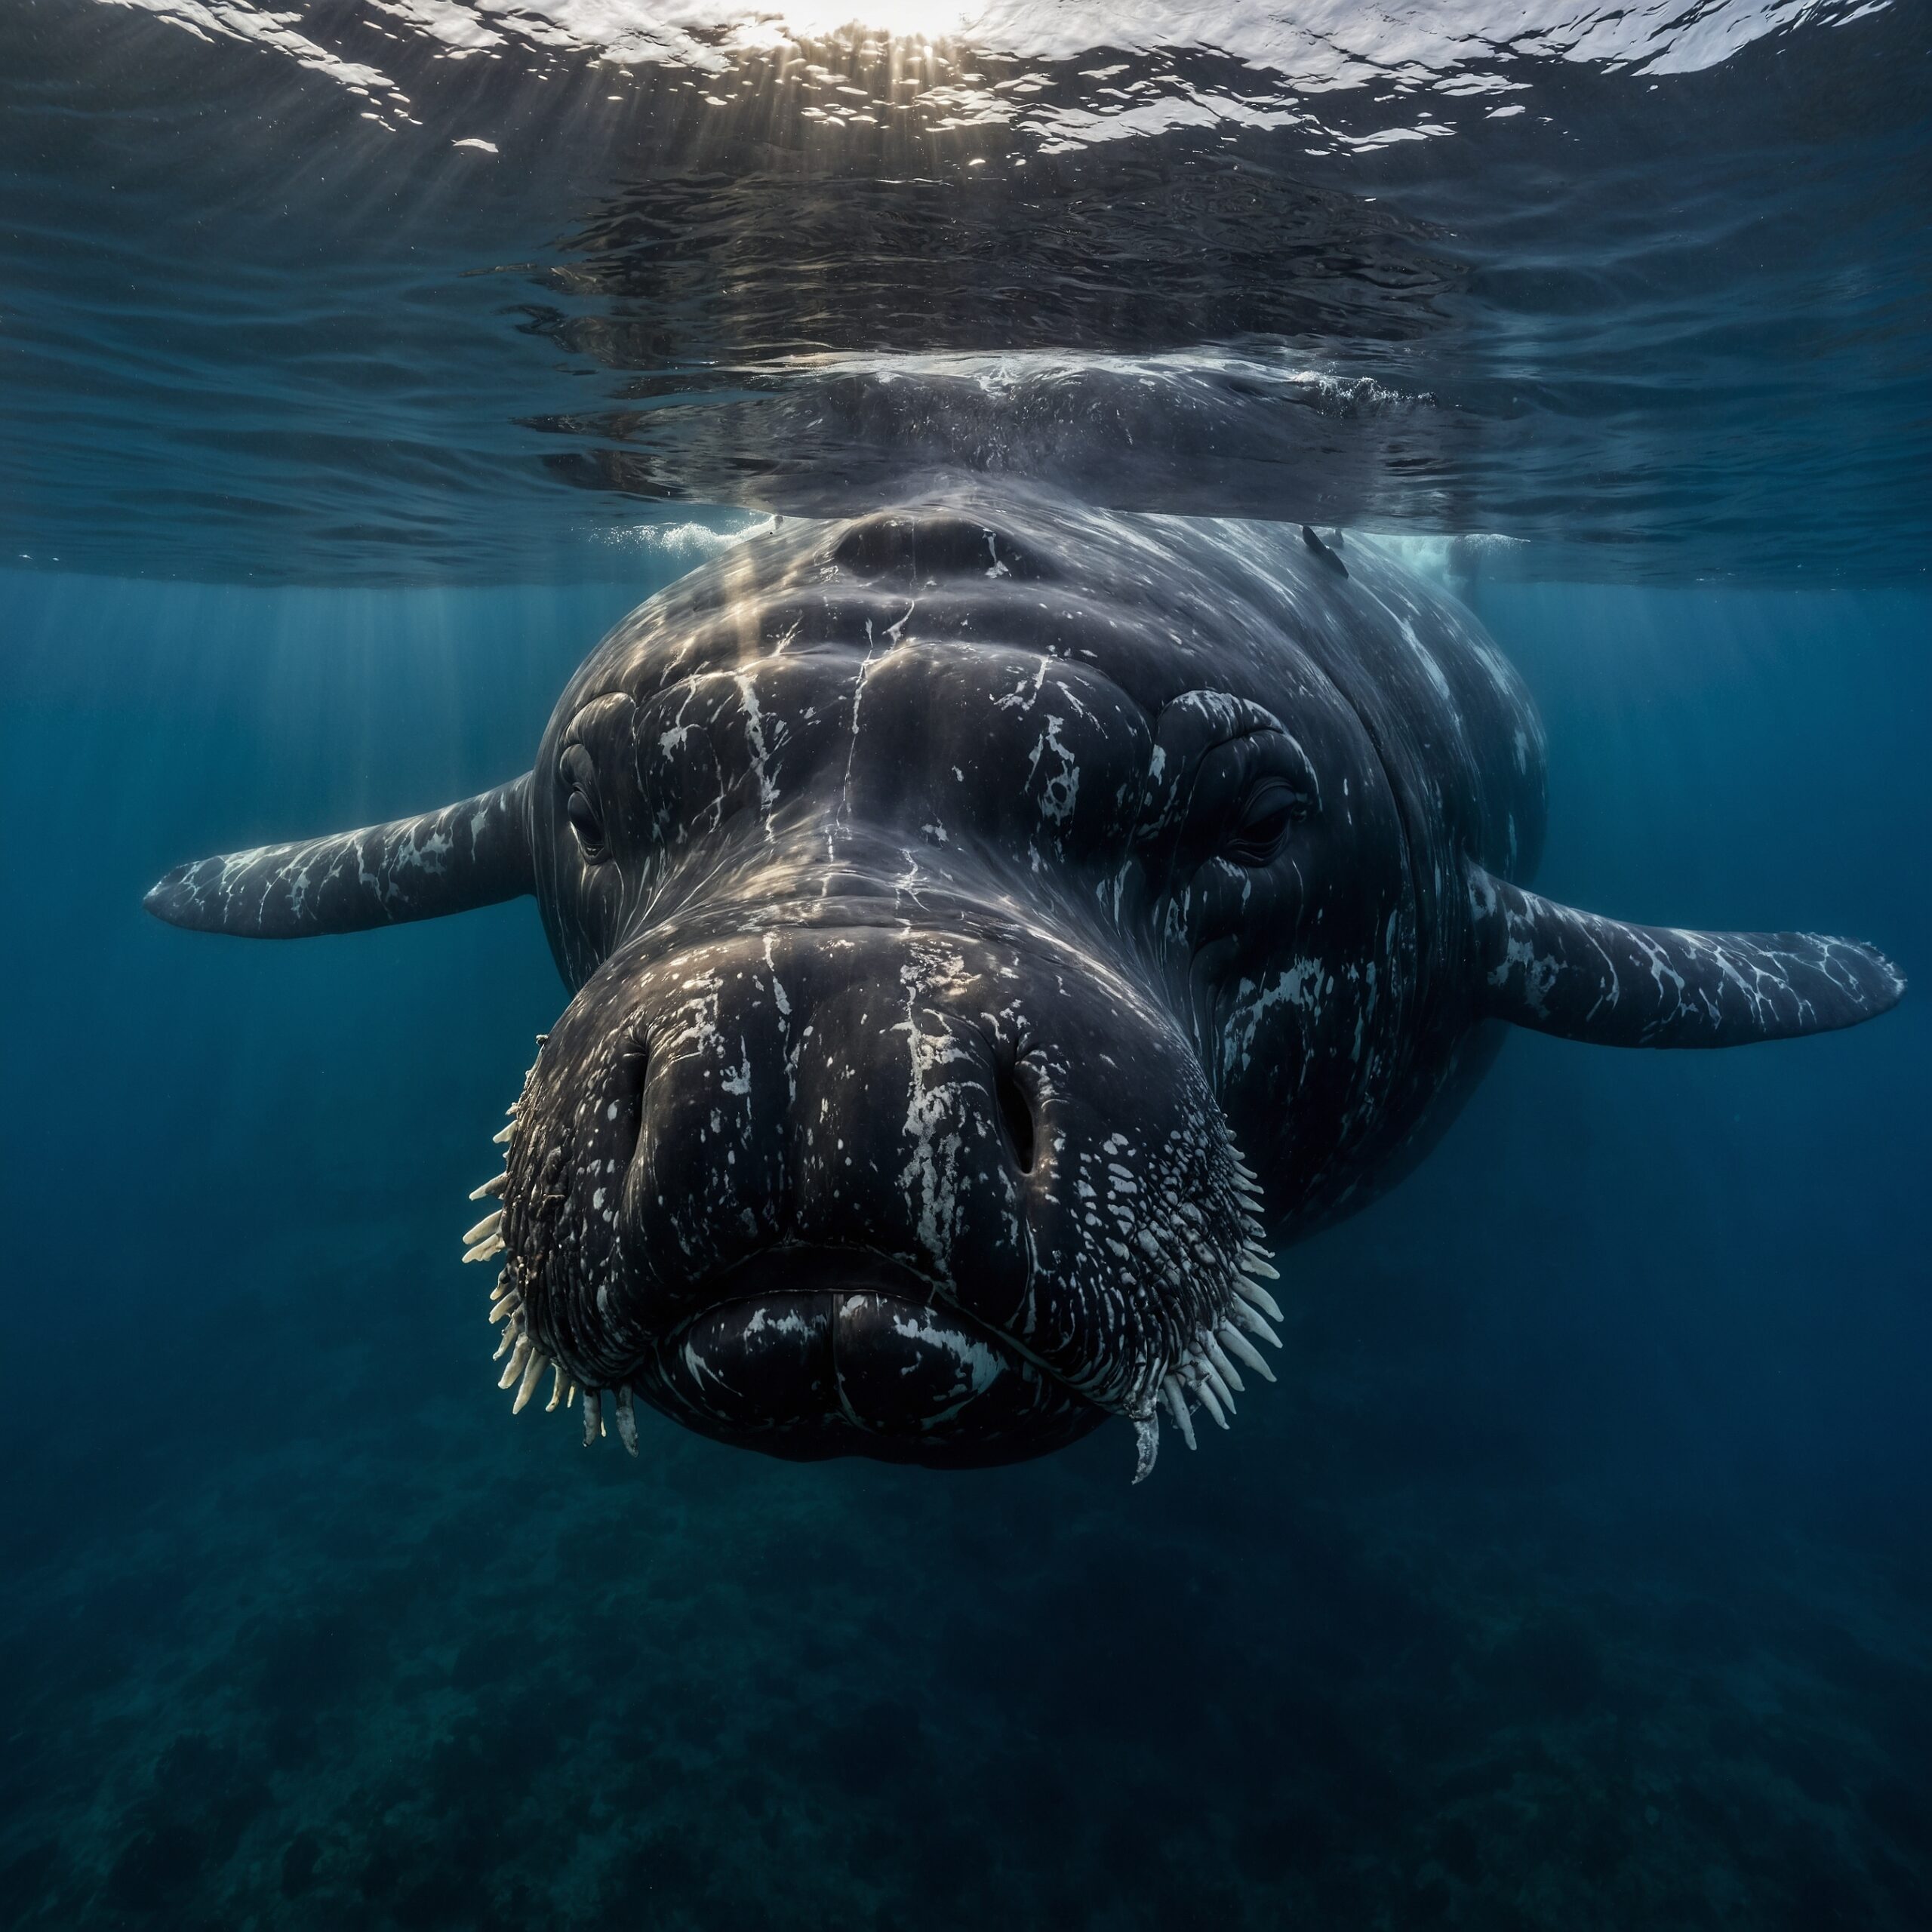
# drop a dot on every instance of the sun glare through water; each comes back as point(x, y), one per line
point(901, 20)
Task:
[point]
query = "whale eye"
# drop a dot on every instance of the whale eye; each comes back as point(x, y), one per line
point(583, 807)
point(1261, 826)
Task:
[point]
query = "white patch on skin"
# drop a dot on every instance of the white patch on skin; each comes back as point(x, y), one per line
point(1062, 790)
point(701, 1370)
point(761, 752)
point(843, 815)
point(977, 1363)
point(1022, 696)
point(1303, 984)
point(932, 1170)
point(791, 1323)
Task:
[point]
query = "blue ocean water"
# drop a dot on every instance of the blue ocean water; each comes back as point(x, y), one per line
point(1576, 1574)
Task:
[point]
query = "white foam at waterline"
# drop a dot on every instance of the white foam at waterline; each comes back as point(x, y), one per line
point(684, 543)
point(1444, 559)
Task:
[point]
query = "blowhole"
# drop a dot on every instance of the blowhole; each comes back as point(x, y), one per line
point(1015, 1114)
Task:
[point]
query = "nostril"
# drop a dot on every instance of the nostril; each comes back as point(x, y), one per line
point(1015, 1114)
point(624, 1106)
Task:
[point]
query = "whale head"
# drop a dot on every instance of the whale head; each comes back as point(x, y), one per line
point(904, 876)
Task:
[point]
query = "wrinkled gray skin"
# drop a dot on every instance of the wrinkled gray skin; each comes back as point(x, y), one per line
point(993, 926)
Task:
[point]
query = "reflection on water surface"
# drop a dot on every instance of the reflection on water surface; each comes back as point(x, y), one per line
point(402, 288)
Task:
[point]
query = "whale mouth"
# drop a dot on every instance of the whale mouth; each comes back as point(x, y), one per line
point(807, 1352)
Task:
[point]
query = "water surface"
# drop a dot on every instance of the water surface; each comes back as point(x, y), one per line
point(388, 291)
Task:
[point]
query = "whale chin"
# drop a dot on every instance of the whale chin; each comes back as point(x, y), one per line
point(810, 1352)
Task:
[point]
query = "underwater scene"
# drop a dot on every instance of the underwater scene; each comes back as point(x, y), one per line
point(1097, 1097)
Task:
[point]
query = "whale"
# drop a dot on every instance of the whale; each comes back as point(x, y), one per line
point(996, 930)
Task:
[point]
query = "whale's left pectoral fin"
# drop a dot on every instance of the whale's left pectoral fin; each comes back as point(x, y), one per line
point(474, 853)
point(1583, 977)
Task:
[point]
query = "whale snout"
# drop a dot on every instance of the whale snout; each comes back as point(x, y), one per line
point(923, 1195)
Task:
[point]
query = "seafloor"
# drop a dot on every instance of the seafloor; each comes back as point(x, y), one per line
point(1575, 1577)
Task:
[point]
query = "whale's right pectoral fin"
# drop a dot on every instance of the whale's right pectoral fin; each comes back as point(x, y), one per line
point(1583, 977)
point(474, 853)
